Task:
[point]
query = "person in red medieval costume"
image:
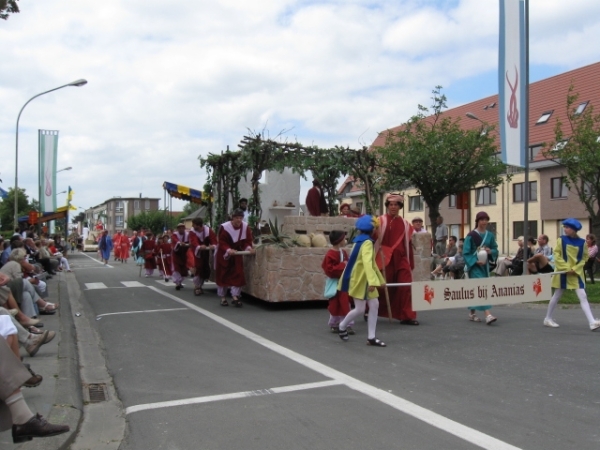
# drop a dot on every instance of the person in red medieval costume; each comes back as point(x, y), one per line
point(394, 246)
point(315, 200)
point(202, 239)
point(234, 236)
point(180, 240)
point(163, 252)
point(125, 246)
point(118, 249)
point(148, 253)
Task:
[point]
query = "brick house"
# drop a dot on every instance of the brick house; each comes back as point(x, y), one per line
point(114, 212)
point(550, 200)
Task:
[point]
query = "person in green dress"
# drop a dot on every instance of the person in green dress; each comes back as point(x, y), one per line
point(478, 241)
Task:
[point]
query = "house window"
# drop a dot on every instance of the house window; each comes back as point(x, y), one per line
point(533, 151)
point(136, 204)
point(491, 227)
point(454, 230)
point(519, 230)
point(580, 108)
point(518, 194)
point(486, 196)
point(119, 220)
point(415, 203)
point(452, 201)
point(119, 206)
point(559, 188)
point(359, 206)
point(544, 117)
point(560, 145)
point(147, 204)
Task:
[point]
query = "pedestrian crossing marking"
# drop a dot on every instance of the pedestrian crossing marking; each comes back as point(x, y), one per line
point(95, 286)
point(132, 284)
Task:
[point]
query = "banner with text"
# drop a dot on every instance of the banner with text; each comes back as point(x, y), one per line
point(48, 150)
point(447, 294)
point(512, 82)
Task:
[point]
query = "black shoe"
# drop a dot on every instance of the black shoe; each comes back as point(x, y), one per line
point(178, 287)
point(37, 426)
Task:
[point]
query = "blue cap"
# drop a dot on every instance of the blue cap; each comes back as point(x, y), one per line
point(572, 223)
point(365, 223)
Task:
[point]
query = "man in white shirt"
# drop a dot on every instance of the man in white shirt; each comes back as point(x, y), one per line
point(417, 224)
point(441, 236)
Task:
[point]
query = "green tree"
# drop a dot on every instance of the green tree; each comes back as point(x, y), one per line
point(153, 220)
point(7, 207)
point(577, 147)
point(189, 208)
point(438, 157)
point(8, 7)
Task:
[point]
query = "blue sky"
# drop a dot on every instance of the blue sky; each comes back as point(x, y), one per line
point(168, 84)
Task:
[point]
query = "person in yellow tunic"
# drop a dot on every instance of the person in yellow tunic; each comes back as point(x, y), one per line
point(570, 254)
point(360, 279)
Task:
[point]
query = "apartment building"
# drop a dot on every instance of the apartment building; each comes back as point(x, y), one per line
point(551, 201)
point(115, 212)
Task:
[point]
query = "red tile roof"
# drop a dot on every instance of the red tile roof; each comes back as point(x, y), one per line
point(546, 95)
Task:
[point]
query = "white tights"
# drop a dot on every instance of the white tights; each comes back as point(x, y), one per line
point(583, 301)
point(359, 310)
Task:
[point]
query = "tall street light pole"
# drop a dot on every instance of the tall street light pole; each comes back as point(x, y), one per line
point(77, 83)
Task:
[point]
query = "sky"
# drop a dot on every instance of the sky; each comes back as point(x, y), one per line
point(169, 82)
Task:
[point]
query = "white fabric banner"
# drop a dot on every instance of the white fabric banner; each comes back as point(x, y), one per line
point(512, 82)
point(448, 294)
point(48, 149)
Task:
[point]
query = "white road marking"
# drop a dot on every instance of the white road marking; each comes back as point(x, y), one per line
point(443, 423)
point(165, 283)
point(216, 398)
point(95, 286)
point(99, 262)
point(138, 312)
point(132, 284)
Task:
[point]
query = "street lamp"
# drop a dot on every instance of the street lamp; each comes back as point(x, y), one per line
point(62, 192)
point(77, 83)
point(62, 170)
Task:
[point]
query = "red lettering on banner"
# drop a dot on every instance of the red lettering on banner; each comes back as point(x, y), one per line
point(428, 293)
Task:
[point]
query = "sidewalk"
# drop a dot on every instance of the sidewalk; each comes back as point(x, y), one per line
point(74, 355)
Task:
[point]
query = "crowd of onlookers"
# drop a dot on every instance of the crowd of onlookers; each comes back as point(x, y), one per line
point(27, 262)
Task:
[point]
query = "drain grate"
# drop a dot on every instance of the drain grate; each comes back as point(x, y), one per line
point(95, 393)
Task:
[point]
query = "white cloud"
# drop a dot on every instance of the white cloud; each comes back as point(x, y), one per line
point(171, 81)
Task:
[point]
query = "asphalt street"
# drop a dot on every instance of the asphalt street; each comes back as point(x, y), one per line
point(191, 374)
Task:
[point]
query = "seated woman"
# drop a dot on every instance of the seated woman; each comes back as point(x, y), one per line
point(516, 266)
point(588, 268)
point(455, 264)
point(56, 253)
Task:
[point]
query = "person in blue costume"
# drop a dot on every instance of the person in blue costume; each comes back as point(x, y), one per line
point(105, 245)
point(360, 280)
point(480, 239)
point(570, 254)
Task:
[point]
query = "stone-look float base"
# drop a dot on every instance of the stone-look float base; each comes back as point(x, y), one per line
point(294, 274)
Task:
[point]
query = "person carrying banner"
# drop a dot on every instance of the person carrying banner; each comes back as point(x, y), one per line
point(570, 254)
point(202, 239)
point(360, 280)
point(395, 256)
point(480, 246)
point(233, 237)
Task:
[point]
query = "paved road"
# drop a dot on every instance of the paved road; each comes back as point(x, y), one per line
point(194, 375)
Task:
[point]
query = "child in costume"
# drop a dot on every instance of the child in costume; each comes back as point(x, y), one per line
point(333, 265)
point(163, 255)
point(570, 254)
point(361, 279)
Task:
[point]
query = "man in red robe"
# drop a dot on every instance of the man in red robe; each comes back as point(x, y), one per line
point(180, 240)
point(394, 241)
point(117, 245)
point(202, 239)
point(234, 236)
point(315, 200)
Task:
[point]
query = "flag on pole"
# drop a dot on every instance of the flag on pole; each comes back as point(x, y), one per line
point(3, 193)
point(512, 82)
point(48, 149)
point(70, 194)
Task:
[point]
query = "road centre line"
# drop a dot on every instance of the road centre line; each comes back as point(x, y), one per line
point(235, 395)
point(99, 262)
point(443, 423)
point(100, 316)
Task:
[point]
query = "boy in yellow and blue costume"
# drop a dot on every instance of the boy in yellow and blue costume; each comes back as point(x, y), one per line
point(360, 279)
point(570, 254)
